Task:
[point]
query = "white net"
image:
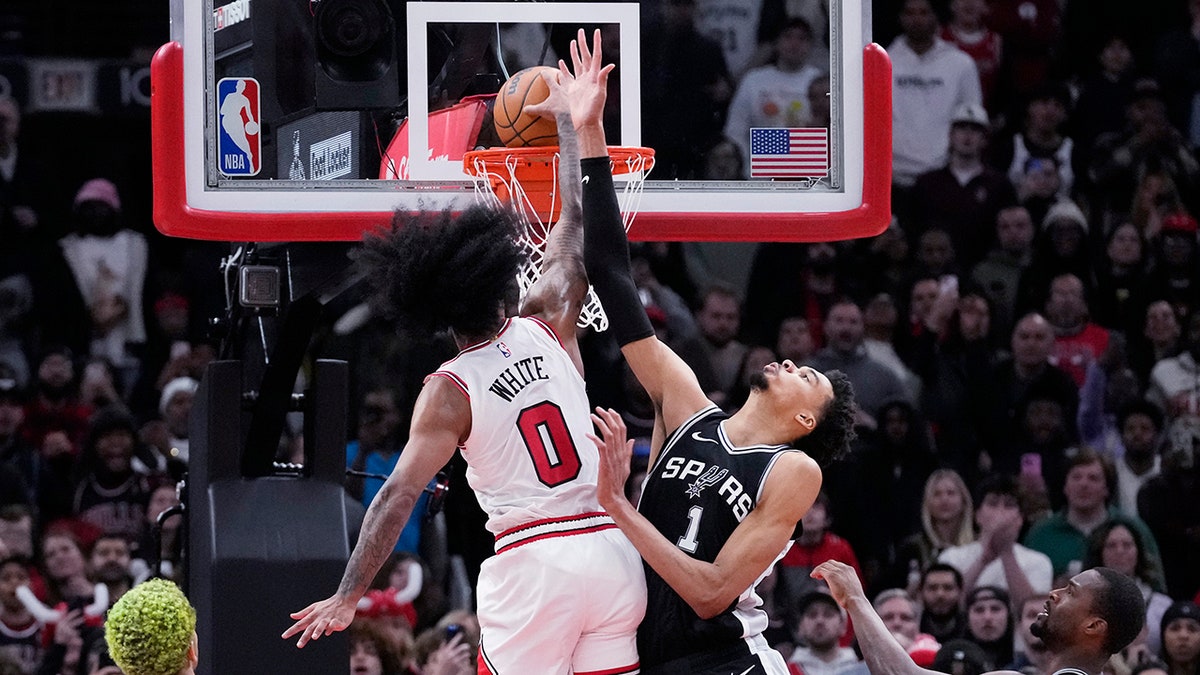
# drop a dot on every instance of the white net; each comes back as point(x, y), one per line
point(493, 179)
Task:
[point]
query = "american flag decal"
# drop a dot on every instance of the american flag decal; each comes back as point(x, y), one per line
point(789, 153)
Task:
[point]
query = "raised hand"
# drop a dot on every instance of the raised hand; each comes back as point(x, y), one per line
point(326, 617)
point(842, 579)
point(584, 85)
point(615, 456)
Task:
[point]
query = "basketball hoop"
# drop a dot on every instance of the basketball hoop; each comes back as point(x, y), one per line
point(527, 178)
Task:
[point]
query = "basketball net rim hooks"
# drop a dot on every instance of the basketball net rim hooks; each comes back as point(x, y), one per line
point(527, 179)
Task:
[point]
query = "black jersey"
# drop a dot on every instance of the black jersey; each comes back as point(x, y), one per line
point(700, 488)
point(22, 645)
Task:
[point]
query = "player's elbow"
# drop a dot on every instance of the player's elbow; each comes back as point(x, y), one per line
point(396, 499)
point(711, 600)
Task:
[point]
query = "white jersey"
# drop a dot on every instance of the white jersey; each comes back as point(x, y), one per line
point(528, 455)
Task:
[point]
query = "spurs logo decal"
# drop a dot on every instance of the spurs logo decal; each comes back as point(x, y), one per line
point(711, 476)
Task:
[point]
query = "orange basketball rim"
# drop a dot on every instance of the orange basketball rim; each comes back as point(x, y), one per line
point(528, 176)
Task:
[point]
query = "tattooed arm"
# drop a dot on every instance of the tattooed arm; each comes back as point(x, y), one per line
point(441, 420)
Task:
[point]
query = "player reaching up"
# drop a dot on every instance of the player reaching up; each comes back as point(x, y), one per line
point(565, 591)
point(724, 494)
point(1097, 614)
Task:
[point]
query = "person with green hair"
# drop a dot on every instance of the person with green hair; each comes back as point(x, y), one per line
point(151, 630)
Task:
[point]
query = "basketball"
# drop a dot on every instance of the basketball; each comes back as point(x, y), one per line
point(251, 128)
point(514, 126)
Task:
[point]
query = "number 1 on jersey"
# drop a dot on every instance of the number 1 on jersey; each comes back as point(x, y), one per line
point(688, 541)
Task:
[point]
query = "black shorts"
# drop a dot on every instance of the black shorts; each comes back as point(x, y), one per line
point(735, 660)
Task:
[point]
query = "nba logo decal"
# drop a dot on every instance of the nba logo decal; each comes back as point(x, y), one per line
point(239, 144)
point(504, 349)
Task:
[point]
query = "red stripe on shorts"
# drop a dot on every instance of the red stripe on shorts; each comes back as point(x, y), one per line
point(623, 670)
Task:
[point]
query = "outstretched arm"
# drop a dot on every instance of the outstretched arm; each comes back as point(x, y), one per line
point(441, 418)
point(708, 588)
point(558, 295)
point(657, 368)
point(884, 656)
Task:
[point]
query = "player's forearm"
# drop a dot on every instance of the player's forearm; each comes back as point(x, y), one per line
point(569, 178)
point(606, 254)
point(884, 656)
point(591, 140)
point(380, 529)
point(700, 584)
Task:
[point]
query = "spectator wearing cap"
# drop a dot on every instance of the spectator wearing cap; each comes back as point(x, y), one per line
point(168, 437)
point(1041, 137)
point(996, 559)
point(1181, 638)
point(1176, 275)
point(1062, 247)
point(963, 196)
point(990, 624)
point(821, 623)
point(960, 657)
point(930, 79)
point(108, 265)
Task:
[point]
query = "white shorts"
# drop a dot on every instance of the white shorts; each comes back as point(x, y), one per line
point(561, 596)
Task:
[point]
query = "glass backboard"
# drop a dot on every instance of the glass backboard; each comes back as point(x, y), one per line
point(280, 120)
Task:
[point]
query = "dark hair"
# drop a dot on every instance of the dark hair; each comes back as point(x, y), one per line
point(1145, 567)
point(830, 439)
point(796, 22)
point(109, 420)
point(434, 271)
point(961, 657)
point(1140, 406)
point(942, 567)
point(1121, 606)
point(996, 484)
point(1085, 456)
point(392, 653)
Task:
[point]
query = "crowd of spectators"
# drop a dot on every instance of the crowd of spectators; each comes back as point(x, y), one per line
point(1023, 340)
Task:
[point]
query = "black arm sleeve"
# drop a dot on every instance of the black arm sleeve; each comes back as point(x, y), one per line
point(606, 254)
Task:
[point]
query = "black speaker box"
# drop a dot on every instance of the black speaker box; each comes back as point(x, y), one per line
point(261, 548)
